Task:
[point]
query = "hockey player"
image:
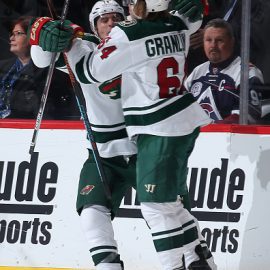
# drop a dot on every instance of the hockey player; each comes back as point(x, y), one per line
point(150, 55)
point(184, 7)
point(117, 152)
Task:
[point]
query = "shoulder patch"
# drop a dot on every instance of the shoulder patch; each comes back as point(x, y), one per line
point(127, 23)
point(111, 88)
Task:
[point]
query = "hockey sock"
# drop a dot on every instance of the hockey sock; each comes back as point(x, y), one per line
point(173, 229)
point(205, 252)
point(97, 227)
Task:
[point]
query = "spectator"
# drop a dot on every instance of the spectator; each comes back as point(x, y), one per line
point(22, 83)
point(216, 83)
point(19, 88)
point(10, 10)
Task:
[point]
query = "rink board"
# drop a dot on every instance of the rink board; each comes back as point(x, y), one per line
point(229, 175)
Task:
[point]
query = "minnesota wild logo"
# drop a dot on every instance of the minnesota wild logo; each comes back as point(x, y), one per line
point(87, 189)
point(111, 88)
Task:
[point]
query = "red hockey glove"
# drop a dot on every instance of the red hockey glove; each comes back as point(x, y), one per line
point(51, 35)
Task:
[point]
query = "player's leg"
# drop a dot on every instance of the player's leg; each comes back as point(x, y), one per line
point(96, 212)
point(206, 259)
point(170, 226)
point(173, 228)
point(97, 228)
point(204, 250)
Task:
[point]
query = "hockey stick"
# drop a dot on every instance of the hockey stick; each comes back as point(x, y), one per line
point(46, 88)
point(81, 105)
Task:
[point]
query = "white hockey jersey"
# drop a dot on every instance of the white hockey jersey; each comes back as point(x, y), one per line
point(217, 88)
point(150, 55)
point(104, 110)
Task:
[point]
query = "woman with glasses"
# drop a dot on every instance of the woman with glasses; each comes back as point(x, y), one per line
point(22, 83)
point(14, 74)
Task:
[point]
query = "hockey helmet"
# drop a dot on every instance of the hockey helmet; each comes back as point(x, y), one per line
point(101, 8)
point(157, 5)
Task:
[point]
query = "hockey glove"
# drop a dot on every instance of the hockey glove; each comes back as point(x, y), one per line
point(51, 35)
point(192, 9)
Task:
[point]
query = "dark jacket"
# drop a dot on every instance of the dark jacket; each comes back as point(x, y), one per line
point(28, 89)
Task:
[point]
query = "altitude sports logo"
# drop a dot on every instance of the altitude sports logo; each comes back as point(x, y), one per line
point(217, 190)
point(225, 193)
point(216, 197)
point(25, 191)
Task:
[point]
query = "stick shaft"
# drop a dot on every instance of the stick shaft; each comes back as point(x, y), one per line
point(42, 104)
point(46, 88)
point(82, 107)
point(81, 104)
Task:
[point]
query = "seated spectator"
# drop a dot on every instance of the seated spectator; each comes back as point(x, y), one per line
point(22, 83)
point(216, 83)
point(20, 88)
